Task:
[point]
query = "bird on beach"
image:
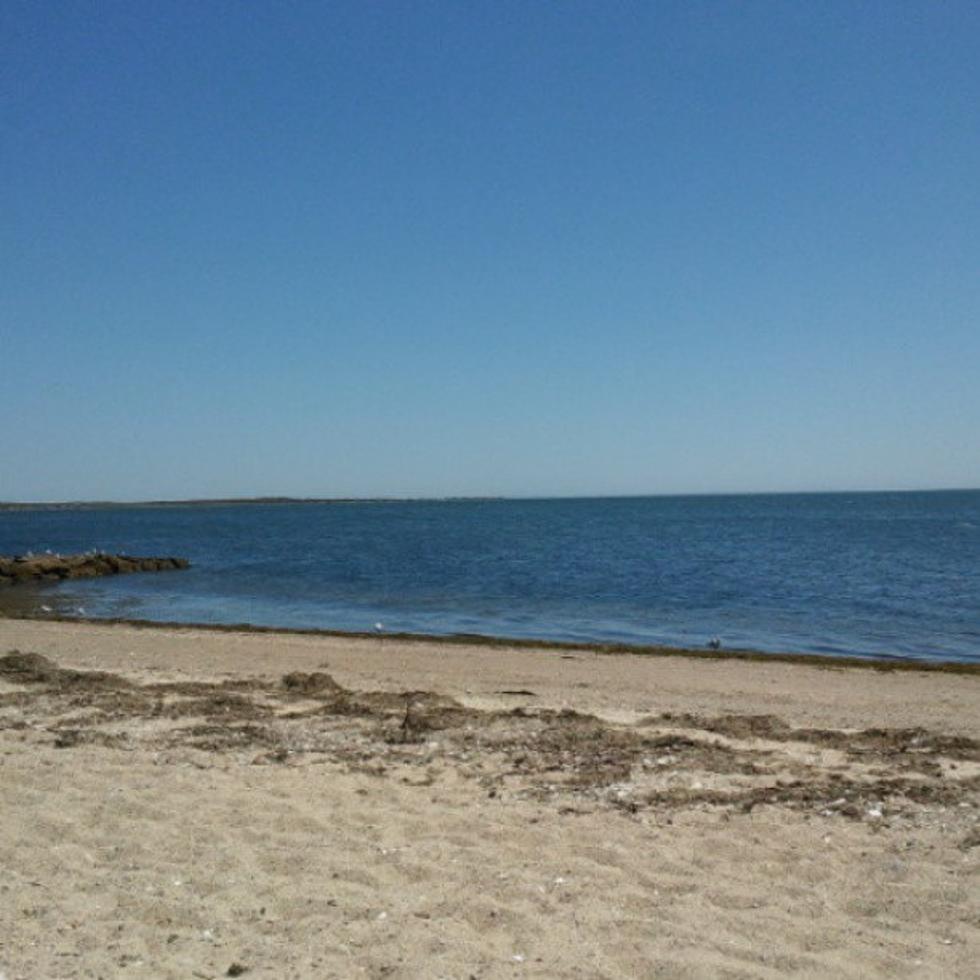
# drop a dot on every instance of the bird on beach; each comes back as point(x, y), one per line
point(379, 627)
point(714, 643)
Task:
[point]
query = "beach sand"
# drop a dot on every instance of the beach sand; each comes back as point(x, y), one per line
point(219, 803)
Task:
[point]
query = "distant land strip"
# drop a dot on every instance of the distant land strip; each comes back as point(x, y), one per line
point(225, 502)
point(15, 505)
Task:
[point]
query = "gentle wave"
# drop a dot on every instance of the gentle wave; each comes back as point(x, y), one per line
point(859, 574)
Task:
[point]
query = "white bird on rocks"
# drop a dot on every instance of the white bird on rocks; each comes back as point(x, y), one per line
point(379, 627)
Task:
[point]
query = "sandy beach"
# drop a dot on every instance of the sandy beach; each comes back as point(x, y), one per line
point(197, 803)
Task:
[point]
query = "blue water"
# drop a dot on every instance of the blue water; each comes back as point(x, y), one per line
point(880, 574)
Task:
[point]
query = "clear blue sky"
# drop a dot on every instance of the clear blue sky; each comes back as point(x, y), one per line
point(430, 248)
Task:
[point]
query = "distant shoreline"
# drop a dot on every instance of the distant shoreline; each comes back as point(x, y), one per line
point(228, 502)
point(279, 500)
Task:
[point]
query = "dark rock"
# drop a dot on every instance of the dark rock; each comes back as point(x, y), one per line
point(51, 568)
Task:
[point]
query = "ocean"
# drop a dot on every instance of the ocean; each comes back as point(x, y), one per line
point(865, 574)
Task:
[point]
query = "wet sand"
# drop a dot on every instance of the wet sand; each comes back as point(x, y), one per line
point(214, 803)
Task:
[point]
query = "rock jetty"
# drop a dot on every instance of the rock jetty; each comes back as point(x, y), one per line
point(54, 568)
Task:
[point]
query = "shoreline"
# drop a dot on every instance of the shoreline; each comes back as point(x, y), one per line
point(624, 684)
point(882, 663)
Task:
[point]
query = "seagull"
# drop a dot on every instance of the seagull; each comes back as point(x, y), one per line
point(45, 609)
point(379, 627)
point(714, 643)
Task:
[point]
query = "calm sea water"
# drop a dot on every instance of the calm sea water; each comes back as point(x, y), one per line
point(882, 574)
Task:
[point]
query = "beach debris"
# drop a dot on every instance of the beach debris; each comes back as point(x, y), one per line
point(310, 684)
point(236, 970)
point(579, 761)
point(33, 668)
point(840, 806)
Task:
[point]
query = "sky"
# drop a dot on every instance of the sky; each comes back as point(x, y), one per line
point(487, 248)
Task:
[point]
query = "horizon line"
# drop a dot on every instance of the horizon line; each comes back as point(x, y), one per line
point(450, 498)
